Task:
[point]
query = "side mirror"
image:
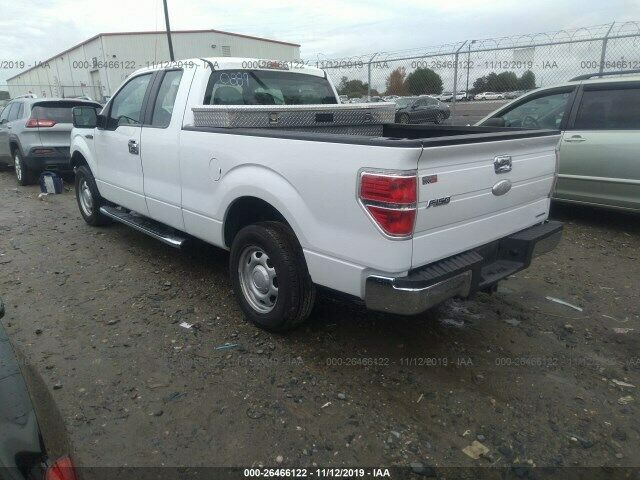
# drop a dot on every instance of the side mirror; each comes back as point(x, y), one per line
point(85, 117)
point(494, 122)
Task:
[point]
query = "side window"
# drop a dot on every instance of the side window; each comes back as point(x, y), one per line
point(421, 103)
point(163, 107)
point(126, 106)
point(5, 113)
point(13, 113)
point(21, 111)
point(545, 111)
point(615, 109)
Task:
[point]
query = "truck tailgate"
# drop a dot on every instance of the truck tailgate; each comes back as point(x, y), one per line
point(466, 200)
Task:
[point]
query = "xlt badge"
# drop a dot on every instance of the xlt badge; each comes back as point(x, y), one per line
point(438, 202)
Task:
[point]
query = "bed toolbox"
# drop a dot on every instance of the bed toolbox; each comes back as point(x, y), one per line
point(349, 119)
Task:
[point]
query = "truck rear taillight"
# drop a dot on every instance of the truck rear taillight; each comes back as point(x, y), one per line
point(61, 469)
point(390, 198)
point(39, 122)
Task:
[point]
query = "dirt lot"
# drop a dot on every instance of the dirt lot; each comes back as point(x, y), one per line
point(97, 314)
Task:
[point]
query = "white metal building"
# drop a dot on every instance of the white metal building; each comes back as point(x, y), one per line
point(96, 67)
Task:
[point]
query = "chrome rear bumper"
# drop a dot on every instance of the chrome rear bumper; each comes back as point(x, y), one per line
point(384, 296)
point(460, 275)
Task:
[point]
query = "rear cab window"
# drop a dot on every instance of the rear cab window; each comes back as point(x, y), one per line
point(260, 87)
point(59, 112)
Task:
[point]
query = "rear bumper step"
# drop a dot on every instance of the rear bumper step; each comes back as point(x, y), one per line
point(462, 274)
point(152, 228)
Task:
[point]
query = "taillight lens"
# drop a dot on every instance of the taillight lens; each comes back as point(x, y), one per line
point(390, 198)
point(39, 122)
point(61, 469)
point(388, 189)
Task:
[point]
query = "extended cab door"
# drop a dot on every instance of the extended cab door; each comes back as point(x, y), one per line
point(599, 154)
point(161, 146)
point(117, 146)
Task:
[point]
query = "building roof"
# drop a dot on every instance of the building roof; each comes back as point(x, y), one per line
point(153, 32)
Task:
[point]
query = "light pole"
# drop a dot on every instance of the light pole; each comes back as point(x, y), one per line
point(466, 92)
point(166, 19)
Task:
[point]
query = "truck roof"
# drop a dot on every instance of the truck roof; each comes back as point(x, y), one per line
point(239, 63)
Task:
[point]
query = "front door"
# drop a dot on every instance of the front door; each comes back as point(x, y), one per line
point(117, 146)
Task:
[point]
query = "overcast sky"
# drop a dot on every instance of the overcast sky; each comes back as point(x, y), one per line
point(32, 30)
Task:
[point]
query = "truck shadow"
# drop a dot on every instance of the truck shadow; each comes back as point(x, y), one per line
point(603, 219)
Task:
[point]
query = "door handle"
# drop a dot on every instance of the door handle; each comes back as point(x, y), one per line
point(133, 147)
point(575, 139)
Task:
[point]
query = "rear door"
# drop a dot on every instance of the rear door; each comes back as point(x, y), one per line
point(600, 150)
point(4, 132)
point(160, 151)
point(117, 146)
point(472, 194)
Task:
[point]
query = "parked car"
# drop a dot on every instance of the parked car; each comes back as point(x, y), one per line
point(24, 449)
point(388, 217)
point(421, 110)
point(35, 135)
point(489, 96)
point(445, 96)
point(599, 117)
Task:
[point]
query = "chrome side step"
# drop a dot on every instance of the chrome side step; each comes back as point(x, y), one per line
point(166, 235)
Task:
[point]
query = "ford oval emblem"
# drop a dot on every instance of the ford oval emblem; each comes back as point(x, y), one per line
point(502, 187)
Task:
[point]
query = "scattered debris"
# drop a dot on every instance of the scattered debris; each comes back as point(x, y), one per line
point(279, 459)
point(626, 400)
point(57, 386)
point(326, 405)
point(475, 450)
point(622, 331)
point(420, 398)
point(569, 328)
point(420, 468)
point(186, 325)
point(113, 321)
point(623, 384)
point(226, 346)
point(341, 396)
point(512, 321)
point(562, 302)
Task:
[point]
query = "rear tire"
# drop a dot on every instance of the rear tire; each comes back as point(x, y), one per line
point(88, 198)
point(270, 278)
point(24, 176)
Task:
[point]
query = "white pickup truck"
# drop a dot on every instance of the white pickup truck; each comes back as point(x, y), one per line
point(403, 219)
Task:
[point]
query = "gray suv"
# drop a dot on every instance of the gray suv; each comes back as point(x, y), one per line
point(35, 134)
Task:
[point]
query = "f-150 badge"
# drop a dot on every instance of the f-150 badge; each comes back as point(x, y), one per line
point(438, 202)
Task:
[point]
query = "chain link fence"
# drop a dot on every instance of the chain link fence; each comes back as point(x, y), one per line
point(477, 76)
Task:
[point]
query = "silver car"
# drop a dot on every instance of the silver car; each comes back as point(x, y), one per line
point(35, 134)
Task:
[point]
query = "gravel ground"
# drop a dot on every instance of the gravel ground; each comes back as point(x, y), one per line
point(97, 313)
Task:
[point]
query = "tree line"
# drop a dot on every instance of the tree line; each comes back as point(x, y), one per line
point(424, 81)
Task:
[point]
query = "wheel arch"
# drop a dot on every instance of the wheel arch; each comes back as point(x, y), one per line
point(247, 210)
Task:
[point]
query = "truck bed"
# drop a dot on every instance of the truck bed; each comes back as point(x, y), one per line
point(395, 135)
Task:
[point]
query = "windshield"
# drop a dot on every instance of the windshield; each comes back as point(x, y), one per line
point(256, 87)
point(404, 102)
point(542, 112)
